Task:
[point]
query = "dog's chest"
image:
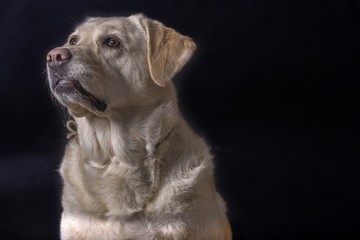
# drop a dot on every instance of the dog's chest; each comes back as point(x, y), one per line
point(115, 189)
point(85, 227)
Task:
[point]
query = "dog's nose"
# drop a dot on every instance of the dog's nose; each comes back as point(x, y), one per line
point(58, 56)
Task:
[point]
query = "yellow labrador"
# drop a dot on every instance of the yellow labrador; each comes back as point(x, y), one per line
point(135, 170)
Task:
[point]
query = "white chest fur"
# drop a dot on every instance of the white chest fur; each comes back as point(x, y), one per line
point(85, 227)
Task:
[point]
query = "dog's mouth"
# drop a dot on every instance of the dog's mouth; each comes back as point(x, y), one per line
point(71, 86)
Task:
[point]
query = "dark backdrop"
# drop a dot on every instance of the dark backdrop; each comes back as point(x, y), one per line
point(273, 87)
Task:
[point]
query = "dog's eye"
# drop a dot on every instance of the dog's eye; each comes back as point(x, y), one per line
point(73, 41)
point(112, 42)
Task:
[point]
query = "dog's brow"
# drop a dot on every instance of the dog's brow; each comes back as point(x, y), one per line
point(109, 29)
point(72, 35)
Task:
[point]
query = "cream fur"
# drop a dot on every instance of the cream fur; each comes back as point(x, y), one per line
point(135, 170)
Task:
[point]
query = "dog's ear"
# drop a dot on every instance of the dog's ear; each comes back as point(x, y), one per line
point(167, 50)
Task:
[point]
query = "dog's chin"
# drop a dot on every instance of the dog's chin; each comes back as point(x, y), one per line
point(79, 101)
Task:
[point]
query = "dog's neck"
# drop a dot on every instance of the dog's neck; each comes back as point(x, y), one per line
point(129, 135)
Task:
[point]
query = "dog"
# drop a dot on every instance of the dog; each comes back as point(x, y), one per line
point(135, 169)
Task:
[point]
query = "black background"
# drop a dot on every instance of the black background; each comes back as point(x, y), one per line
point(273, 87)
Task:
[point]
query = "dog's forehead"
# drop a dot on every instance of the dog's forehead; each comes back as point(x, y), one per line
point(100, 25)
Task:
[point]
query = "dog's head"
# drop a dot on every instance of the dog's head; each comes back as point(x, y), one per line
point(108, 63)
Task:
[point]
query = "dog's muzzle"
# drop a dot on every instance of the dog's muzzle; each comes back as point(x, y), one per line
point(60, 82)
point(57, 62)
